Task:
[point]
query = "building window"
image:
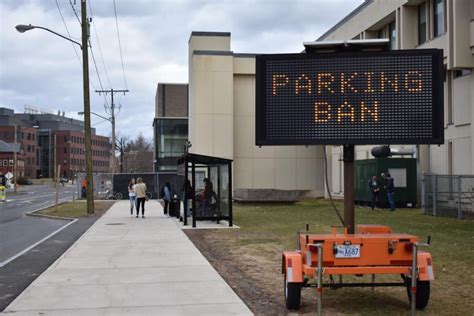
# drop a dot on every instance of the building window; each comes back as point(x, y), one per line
point(65, 150)
point(422, 23)
point(392, 33)
point(438, 17)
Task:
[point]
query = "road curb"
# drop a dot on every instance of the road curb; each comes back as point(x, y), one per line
point(34, 213)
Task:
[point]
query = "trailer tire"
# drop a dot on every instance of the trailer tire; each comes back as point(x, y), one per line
point(422, 292)
point(292, 294)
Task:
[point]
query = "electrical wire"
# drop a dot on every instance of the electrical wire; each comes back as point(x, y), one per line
point(120, 44)
point(75, 12)
point(327, 186)
point(73, 45)
point(98, 45)
point(90, 46)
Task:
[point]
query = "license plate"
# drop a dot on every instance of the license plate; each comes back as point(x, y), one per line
point(348, 251)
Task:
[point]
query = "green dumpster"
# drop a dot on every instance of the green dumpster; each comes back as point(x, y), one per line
point(402, 170)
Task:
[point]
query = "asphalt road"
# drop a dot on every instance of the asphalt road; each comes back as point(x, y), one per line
point(18, 232)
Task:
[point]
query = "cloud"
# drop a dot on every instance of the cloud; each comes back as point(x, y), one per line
point(42, 70)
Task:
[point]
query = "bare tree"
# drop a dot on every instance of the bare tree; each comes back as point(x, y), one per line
point(138, 155)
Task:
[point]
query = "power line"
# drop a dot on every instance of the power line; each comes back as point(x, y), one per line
point(69, 35)
point(98, 45)
point(75, 13)
point(97, 70)
point(120, 44)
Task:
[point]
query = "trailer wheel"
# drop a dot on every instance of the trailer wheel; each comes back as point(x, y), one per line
point(292, 294)
point(422, 292)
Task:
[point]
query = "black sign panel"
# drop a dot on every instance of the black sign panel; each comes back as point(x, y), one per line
point(393, 97)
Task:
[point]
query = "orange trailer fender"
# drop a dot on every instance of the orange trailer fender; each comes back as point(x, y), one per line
point(292, 266)
point(425, 266)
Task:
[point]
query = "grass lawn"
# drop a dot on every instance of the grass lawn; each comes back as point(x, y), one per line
point(268, 229)
point(76, 209)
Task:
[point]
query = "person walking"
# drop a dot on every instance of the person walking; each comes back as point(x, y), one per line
point(132, 195)
point(374, 187)
point(389, 186)
point(140, 191)
point(167, 197)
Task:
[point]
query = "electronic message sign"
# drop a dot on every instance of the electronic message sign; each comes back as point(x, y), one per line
point(393, 97)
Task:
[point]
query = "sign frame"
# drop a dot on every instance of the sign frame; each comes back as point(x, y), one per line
point(437, 98)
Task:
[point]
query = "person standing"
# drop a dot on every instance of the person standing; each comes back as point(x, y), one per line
point(374, 186)
point(167, 197)
point(389, 186)
point(188, 194)
point(132, 195)
point(140, 191)
point(83, 188)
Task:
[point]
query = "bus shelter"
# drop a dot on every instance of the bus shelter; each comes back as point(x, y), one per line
point(207, 188)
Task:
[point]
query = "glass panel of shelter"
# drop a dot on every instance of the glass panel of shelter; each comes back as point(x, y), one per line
point(211, 190)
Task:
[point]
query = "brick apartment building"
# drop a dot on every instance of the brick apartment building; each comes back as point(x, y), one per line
point(70, 153)
point(7, 154)
point(48, 139)
point(27, 138)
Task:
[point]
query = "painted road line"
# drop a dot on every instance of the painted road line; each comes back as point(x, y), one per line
point(40, 241)
point(35, 244)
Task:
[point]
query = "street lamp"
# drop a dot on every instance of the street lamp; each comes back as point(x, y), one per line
point(103, 117)
point(22, 28)
point(87, 117)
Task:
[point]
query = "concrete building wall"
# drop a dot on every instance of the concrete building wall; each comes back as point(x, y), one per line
point(457, 42)
point(222, 124)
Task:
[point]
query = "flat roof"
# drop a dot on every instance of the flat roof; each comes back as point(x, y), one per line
point(204, 33)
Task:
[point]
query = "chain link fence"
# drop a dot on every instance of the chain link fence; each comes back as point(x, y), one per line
point(448, 195)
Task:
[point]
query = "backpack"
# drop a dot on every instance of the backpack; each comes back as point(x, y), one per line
point(162, 192)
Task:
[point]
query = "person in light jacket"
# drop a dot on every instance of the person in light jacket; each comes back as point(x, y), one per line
point(140, 191)
point(132, 195)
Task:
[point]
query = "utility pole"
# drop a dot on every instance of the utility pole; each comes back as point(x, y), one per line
point(15, 158)
point(121, 142)
point(87, 108)
point(112, 119)
point(55, 175)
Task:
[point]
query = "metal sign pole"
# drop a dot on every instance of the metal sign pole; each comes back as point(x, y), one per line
point(349, 220)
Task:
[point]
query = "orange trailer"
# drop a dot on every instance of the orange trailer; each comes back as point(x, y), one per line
point(372, 250)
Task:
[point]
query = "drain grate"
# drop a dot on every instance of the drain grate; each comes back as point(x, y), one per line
point(115, 224)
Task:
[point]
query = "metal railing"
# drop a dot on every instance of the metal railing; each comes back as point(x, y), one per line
point(448, 195)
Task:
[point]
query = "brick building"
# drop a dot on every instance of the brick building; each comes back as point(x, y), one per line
point(48, 139)
point(7, 153)
point(70, 153)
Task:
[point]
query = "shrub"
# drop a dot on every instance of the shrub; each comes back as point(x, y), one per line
point(22, 180)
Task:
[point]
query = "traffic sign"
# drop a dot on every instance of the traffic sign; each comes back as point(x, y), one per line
point(393, 97)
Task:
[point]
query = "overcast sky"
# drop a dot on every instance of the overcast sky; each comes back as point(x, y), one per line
point(42, 70)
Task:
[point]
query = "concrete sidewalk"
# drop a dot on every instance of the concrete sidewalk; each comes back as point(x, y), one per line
point(130, 266)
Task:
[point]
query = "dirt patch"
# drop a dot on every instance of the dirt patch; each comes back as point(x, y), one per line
point(253, 270)
point(245, 273)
